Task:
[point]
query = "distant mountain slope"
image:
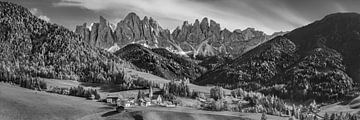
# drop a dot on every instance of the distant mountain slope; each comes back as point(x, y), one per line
point(314, 61)
point(340, 31)
point(254, 68)
point(160, 62)
point(32, 47)
point(320, 74)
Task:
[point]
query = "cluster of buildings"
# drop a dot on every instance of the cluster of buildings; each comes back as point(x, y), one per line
point(151, 100)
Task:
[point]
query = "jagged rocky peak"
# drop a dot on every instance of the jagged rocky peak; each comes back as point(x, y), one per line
point(132, 17)
point(131, 29)
point(103, 21)
point(146, 31)
point(100, 35)
point(191, 37)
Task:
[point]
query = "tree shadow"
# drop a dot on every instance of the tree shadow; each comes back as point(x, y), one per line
point(107, 107)
point(110, 113)
point(137, 116)
point(103, 87)
point(109, 87)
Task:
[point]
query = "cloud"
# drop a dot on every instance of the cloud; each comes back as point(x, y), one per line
point(266, 15)
point(38, 13)
point(43, 17)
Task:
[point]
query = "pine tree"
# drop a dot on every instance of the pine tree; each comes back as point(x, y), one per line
point(140, 95)
point(263, 116)
point(217, 93)
point(332, 117)
point(326, 116)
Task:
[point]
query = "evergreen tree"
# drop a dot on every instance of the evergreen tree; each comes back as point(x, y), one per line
point(263, 116)
point(217, 93)
point(326, 116)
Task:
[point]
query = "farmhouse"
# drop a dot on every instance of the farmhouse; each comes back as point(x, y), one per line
point(112, 99)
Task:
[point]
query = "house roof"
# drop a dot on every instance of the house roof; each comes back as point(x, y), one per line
point(156, 96)
point(112, 97)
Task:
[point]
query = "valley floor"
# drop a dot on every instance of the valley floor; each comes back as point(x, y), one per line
point(23, 104)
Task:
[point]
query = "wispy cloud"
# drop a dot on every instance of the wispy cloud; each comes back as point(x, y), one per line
point(37, 12)
point(266, 15)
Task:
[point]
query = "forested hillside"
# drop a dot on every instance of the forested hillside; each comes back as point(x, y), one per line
point(32, 47)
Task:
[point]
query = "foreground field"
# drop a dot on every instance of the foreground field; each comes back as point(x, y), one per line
point(179, 113)
point(22, 104)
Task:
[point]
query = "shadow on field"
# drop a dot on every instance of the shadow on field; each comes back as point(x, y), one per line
point(107, 87)
point(107, 107)
point(137, 116)
point(103, 87)
point(110, 113)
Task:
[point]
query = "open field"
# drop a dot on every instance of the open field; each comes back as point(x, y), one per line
point(113, 88)
point(23, 104)
point(178, 113)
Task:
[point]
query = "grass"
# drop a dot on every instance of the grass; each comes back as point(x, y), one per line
point(182, 111)
point(23, 104)
point(106, 89)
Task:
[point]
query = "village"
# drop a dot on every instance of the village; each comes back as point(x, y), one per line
point(150, 100)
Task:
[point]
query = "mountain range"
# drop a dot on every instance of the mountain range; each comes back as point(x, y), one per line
point(198, 39)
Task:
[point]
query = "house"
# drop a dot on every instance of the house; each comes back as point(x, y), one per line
point(112, 99)
point(170, 106)
point(92, 97)
point(157, 99)
point(124, 103)
point(148, 103)
point(201, 100)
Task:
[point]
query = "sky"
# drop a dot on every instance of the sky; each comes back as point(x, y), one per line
point(265, 15)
